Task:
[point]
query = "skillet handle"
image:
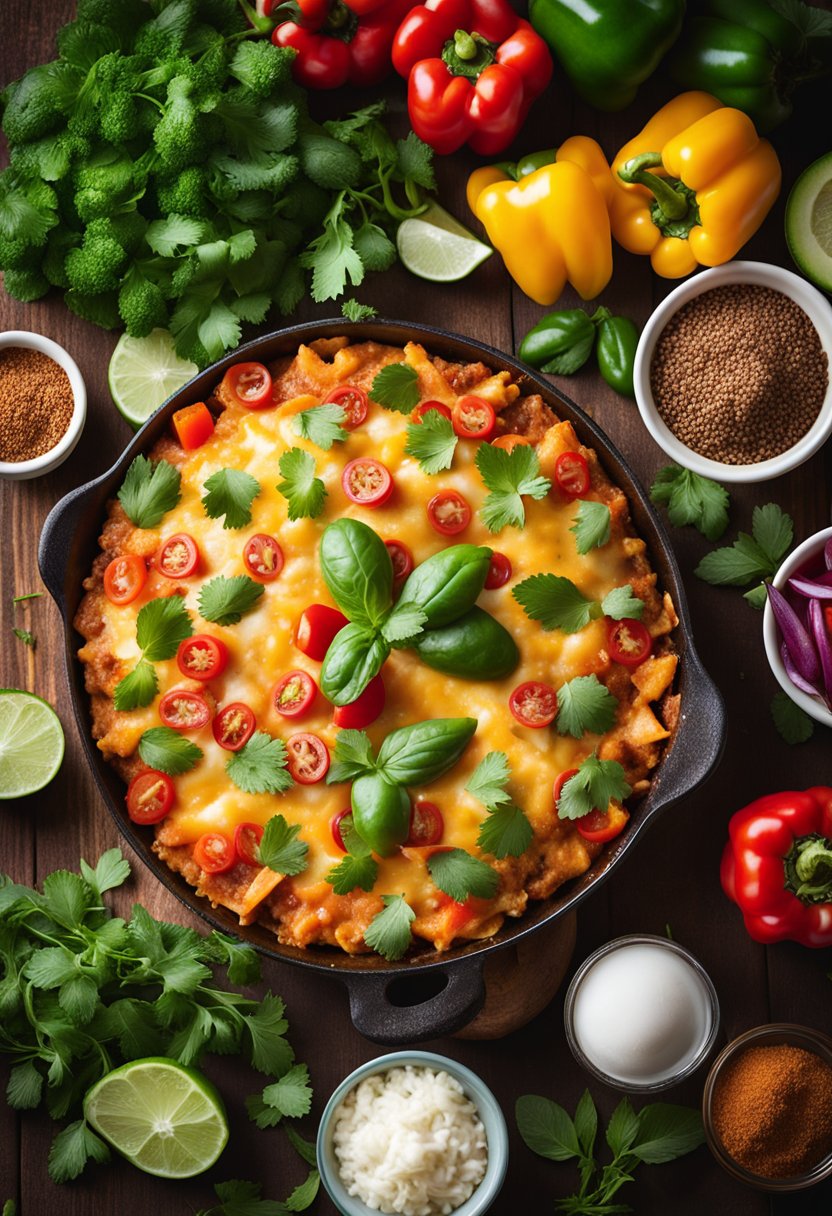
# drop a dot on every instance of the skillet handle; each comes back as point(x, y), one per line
point(700, 735)
point(427, 1014)
point(57, 540)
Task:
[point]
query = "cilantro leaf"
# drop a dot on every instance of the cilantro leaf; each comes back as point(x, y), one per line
point(332, 256)
point(773, 531)
point(396, 387)
point(793, 723)
point(304, 1193)
point(508, 476)
point(271, 1053)
point(488, 780)
point(165, 749)
point(111, 871)
point(620, 604)
point(25, 1086)
point(459, 875)
point(353, 311)
point(593, 787)
point(416, 161)
point(735, 565)
point(149, 491)
point(230, 492)
point(260, 766)
point(592, 525)
point(374, 247)
point(585, 704)
point(160, 627)
point(291, 1095)
point(353, 873)
point(138, 688)
point(72, 1148)
point(555, 601)
point(321, 424)
point(389, 931)
point(352, 757)
point(506, 832)
point(303, 491)
point(432, 442)
point(692, 499)
point(242, 962)
point(405, 622)
point(279, 850)
point(226, 600)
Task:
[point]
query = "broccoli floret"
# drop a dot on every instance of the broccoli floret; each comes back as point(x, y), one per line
point(90, 203)
point(208, 73)
point(25, 285)
point(61, 240)
point(16, 254)
point(119, 117)
point(141, 305)
point(101, 310)
point(182, 278)
point(105, 181)
point(128, 229)
point(125, 15)
point(178, 135)
point(95, 267)
point(30, 110)
point(185, 194)
point(260, 67)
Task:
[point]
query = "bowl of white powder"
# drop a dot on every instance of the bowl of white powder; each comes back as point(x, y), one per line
point(412, 1134)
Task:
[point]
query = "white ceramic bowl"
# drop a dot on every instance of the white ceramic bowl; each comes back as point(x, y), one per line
point(816, 307)
point(21, 470)
point(771, 633)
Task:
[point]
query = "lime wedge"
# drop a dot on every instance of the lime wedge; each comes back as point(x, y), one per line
point(164, 1118)
point(437, 247)
point(31, 743)
point(144, 372)
point(809, 222)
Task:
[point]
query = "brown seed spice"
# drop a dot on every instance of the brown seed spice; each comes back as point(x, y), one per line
point(739, 374)
point(36, 403)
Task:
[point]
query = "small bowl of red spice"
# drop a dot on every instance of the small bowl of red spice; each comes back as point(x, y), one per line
point(767, 1107)
point(43, 404)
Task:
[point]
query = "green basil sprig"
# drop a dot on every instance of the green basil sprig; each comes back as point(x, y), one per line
point(447, 584)
point(418, 754)
point(355, 655)
point(358, 571)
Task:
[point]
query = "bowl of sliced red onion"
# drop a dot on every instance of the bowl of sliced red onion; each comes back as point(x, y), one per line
point(797, 626)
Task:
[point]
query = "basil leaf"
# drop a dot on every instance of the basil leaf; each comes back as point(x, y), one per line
point(355, 655)
point(666, 1132)
point(357, 570)
point(546, 1128)
point(448, 584)
point(418, 754)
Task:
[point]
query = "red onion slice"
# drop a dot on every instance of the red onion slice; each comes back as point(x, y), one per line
point(819, 588)
point(801, 647)
point(794, 675)
point(823, 642)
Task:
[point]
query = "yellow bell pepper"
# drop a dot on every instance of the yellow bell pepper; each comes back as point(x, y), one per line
point(551, 226)
point(714, 183)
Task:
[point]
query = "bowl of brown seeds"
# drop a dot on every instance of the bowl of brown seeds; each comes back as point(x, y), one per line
point(732, 372)
point(43, 404)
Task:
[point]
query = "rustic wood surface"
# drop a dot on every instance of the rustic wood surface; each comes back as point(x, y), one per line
point(671, 879)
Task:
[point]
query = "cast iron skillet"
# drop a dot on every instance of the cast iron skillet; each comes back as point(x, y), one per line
point(427, 995)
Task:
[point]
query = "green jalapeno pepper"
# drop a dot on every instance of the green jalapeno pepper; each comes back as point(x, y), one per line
point(616, 353)
point(561, 343)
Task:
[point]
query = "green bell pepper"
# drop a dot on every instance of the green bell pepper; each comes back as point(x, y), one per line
point(608, 47)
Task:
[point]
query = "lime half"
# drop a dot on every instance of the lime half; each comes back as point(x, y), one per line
point(809, 222)
point(164, 1118)
point(437, 247)
point(31, 743)
point(144, 372)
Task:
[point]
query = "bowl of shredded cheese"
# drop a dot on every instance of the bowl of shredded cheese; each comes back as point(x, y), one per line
point(412, 1133)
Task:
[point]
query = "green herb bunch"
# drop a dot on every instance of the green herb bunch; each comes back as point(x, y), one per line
point(165, 172)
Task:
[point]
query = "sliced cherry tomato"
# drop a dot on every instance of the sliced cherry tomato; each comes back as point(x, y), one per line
point(294, 694)
point(214, 853)
point(233, 726)
point(194, 425)
point(629, 642)
point(402, 560)
point(364, 709)
point(308, 758)
point(353, 401)
point(599, 826)
point(247, 837)
point(184, 710)
point(367, 482)
point(572, 474)
point(499, 572)
point(426, 825)
point(150, 796)
point(335, 827)
point(448, 513)
point(316, 627)
point(440, 407)
point(560, 782)
point(202, 657)
point(124, 578)
point(178, 556)
point(263, 557)
point(534, 704)
point(250, 384)
point(510, 442)
point(474, 418)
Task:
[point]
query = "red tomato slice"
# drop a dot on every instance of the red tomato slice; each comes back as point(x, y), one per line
point(263, 557)
point(534, 704)
point(316, 627)
point(572, 474)
point(184, 710)
point(250, 384)
point(353, 401)
point(421, 410)
point(402, 560)
point(509, 442)
point(629, 642)
point(295, 694)
point(247, 837)
point(560, 782)
point(448, 513)
point(308, 758)
point(178, 556)
point(202, 657)
point(194, 425)
point(150, 795)
point(474, 418)
point(600, 826)
point(214, 853)
point(499, 572)
point(233, 726)
point(124, 578)
point(364, 709)
point(426, 825)
point(335, 827)
point(367, 482)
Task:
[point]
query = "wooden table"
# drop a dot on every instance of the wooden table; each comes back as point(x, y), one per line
point(672, 878)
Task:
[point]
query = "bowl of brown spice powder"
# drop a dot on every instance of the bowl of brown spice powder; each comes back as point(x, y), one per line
point(43, 404)
point(732, 372)
point(767, 1107)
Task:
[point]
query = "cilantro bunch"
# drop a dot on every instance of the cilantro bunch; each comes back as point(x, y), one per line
point(164, 171)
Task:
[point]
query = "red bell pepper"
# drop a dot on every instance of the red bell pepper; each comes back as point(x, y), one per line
point(340, 42)
point(777, 866)
point(473, 69)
